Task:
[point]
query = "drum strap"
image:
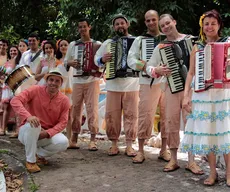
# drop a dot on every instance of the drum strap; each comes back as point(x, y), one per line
point(35, 56)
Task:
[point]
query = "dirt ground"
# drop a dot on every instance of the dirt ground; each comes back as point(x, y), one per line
point(85, 171)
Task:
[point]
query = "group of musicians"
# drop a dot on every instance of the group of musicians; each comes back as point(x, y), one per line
point(156, 68)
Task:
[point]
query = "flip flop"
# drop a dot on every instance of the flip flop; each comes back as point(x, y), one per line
point(171, 166)
point(73, 146)
point(165, 156)
point(194, 168)
point(130, 152)
point(139, 158)
point(92, 146)
point(113, 151)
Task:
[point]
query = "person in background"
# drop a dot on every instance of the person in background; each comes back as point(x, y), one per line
point(46, 63)
point(23, 45)
point(7, 93)
point(33, 56)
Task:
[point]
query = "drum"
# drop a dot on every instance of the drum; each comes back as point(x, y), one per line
point(20, 79)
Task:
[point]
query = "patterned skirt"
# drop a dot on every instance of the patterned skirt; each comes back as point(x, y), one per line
point(208, 126)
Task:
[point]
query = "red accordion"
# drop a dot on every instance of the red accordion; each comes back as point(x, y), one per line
point(84, 53)
point(212, 67)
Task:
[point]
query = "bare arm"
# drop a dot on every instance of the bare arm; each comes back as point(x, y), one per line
point(38, 74)
point(191, 73)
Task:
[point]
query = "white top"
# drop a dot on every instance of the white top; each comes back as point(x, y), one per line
point(26, 60)
point(70, 55)
point(126, 84)
point(134, 56)
point(155, 61)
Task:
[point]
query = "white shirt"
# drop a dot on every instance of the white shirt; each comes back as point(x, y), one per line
point(26, 60)
point(126, 84)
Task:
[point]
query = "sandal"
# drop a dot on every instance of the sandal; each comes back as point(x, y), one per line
point(139, 158)
point(210, 181)
point(165, 156)
point(73, 145)
point(113, 151)
point(130, 152)
point(194, 168)
point(92, 146)
point(171, 166)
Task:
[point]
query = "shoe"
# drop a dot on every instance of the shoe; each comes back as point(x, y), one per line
point(41, 161)
point(113, 151)
point(194, 168)
point(130, 152)
point(139, 158)
point(73, 145)
point(32, 167)
point(171, 166)
point(92, 146)
point(165, 156)
point(210, 181)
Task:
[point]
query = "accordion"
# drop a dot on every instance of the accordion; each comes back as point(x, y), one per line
point(147, 46)
point(84, 53)
point(212, 67)
point(176, 56)
point(118, 66)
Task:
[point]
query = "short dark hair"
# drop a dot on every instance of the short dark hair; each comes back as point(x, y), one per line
point(35, 35)
point(5, 41)
point(84, 19)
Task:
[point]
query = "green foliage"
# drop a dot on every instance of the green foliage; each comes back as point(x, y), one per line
point(9, 33)
point(58, 18)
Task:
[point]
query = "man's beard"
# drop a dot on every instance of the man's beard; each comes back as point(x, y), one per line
point(121, 32)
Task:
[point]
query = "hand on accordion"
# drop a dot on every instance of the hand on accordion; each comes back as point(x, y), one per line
point(163, 70)
point(74, 63)
point(106, 57)
point(187, 105)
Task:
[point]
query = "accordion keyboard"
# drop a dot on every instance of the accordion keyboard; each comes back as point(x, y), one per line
point(147, 48)
point(110, 66)
point(199, 72)
point(176, 82)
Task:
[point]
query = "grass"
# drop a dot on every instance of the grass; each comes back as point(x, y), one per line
point(4, 151)
point(33, 186)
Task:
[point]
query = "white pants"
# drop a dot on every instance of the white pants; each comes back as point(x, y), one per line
point(28, 136)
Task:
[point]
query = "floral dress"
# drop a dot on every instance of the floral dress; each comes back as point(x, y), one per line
point(208, 126)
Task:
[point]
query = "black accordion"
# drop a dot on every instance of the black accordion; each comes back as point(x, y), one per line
point(148, 44)
point(176, 56)
point(118, 66)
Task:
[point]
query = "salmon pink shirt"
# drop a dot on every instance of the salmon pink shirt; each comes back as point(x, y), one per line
point(52, 112)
